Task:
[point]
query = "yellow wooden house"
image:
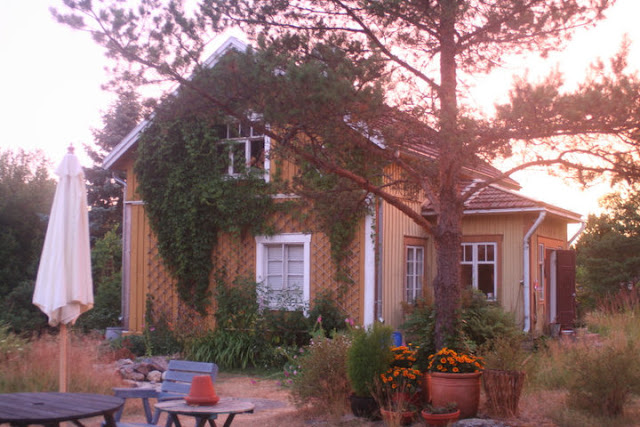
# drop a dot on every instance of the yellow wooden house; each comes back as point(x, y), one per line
point(514, 250)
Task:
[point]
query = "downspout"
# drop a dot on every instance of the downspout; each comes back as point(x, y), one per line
point(527, 270)
point(379, 271)
point(124, 288)
point(369, 271)
point(583, 225)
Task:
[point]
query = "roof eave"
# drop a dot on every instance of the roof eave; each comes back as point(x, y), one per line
point(129, 141)
point(567, 215)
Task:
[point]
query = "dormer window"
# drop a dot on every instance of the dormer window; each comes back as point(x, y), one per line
point(245, 147)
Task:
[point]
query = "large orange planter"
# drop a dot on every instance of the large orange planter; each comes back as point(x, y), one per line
point(464, 389)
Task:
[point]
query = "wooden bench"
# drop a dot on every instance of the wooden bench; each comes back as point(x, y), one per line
point(175, 385)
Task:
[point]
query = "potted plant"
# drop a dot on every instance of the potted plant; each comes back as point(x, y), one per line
point(367, 358)
point(455, 377)
point(398, 388)
point(503, 377)
point(441, 415)
point(402, 380)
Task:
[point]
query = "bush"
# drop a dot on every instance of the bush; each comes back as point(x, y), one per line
point(480, 322)
point(10, 343)
point(321, 379)
point(158, 336)
point(368, 357)
point(505, 353)
point(602, 378)
point(332, 316)
point(106, 261)
point(230, 349)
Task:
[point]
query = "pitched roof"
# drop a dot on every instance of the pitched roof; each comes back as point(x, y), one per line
point(495, 199)
point(130, 140)
point(415, 138)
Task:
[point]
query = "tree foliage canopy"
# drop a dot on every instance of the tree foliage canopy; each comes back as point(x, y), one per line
point(26, 194)
point(391, 78)
point(609, 249)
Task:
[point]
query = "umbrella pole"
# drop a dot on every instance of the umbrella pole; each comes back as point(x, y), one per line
point(64, 354)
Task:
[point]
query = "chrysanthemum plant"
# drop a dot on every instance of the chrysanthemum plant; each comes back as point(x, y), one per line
point(401, 376)
point(448, 360)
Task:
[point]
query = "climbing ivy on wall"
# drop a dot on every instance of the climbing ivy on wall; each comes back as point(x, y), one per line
point(338, 208)
point(189, 197)
point(182, 167)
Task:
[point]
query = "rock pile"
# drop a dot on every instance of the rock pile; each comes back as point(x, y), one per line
point(148, 369)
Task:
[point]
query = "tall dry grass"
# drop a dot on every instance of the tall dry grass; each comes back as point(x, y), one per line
point(36, 366)
point(597, 376)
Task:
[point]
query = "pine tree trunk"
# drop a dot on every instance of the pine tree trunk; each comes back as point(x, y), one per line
point(448, 230)
point(448, 239)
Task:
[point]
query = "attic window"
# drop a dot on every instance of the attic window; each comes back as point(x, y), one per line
point(245, 147)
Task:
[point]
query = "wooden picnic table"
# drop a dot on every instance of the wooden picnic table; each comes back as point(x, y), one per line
point(50, 409)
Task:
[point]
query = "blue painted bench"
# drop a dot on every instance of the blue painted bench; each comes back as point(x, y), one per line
point(175, 385)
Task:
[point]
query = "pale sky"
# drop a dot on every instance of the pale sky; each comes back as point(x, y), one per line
point(52, 76)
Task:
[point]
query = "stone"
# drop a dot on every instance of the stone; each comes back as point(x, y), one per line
point(154, 376)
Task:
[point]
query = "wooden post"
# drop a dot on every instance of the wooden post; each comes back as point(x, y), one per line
point(64, 355)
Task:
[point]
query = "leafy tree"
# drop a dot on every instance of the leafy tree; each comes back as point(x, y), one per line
point(106, 259)
point(104, 194)
point(608, 252)
point(382, 80)
point(26, 194)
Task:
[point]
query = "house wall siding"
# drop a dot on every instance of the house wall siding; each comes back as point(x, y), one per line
point(509, 228)
point(238, 256)
point(396, 226)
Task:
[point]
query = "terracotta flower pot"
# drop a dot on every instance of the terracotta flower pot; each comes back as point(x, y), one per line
point(440, 419)
point(463, 389)
point(426, 387)
point(202, 392)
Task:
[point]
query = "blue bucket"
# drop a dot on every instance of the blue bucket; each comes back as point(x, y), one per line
point(396, 338)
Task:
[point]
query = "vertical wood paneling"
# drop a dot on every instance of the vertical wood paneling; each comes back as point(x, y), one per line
point(396, 226)
point(510, 227)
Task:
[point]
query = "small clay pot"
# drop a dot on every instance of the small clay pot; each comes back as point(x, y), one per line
point(202, 392)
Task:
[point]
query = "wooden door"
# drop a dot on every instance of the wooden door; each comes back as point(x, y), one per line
point(566, 287)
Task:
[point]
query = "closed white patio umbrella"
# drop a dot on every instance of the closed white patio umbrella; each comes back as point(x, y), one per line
point(64, 287)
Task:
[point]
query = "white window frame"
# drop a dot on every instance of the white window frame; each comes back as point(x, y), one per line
point(475, 263)
point(411, 294)
point(247, 141)
point(284, 239)
point(541, 283)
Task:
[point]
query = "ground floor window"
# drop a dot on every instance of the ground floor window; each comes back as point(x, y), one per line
point(414, 272)
point(283, 267)
point(480, 267)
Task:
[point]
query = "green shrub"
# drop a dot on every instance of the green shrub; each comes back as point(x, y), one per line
point(603, 377)
point(368, 357)
point(505, 353)
point(10, 343)
point(106, 309)
point(480, 322)
point(134, 343)
point(332, 316)
point(321, 377)
point(286, 328)
point(231, 349)
point(158, 335)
